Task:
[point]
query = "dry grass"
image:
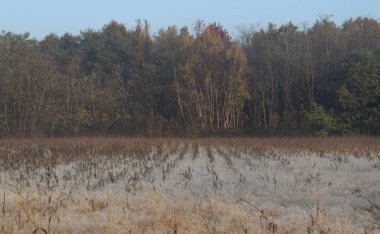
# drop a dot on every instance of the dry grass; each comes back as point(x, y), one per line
point(217, 185)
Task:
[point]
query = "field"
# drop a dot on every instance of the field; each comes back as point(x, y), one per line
point(219, 185)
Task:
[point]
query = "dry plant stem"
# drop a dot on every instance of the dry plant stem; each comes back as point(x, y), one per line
point(103, 185)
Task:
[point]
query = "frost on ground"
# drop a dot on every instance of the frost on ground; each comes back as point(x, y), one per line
point(189, 187)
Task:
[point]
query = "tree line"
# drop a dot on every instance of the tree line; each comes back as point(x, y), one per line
point(287, 79)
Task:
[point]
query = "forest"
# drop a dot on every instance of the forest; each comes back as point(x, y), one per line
point(322, 79)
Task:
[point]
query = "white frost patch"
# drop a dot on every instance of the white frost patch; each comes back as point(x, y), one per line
point(214, 189)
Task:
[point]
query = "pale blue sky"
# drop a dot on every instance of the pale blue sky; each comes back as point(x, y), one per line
point(40, 17)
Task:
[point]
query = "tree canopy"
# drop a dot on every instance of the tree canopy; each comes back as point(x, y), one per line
point(287, 79)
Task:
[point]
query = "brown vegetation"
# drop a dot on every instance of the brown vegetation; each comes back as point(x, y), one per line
point(217, 185)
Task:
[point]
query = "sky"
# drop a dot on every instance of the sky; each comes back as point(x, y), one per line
point(41, 17)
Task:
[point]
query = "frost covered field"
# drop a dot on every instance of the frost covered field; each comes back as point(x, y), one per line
point(230, 185)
